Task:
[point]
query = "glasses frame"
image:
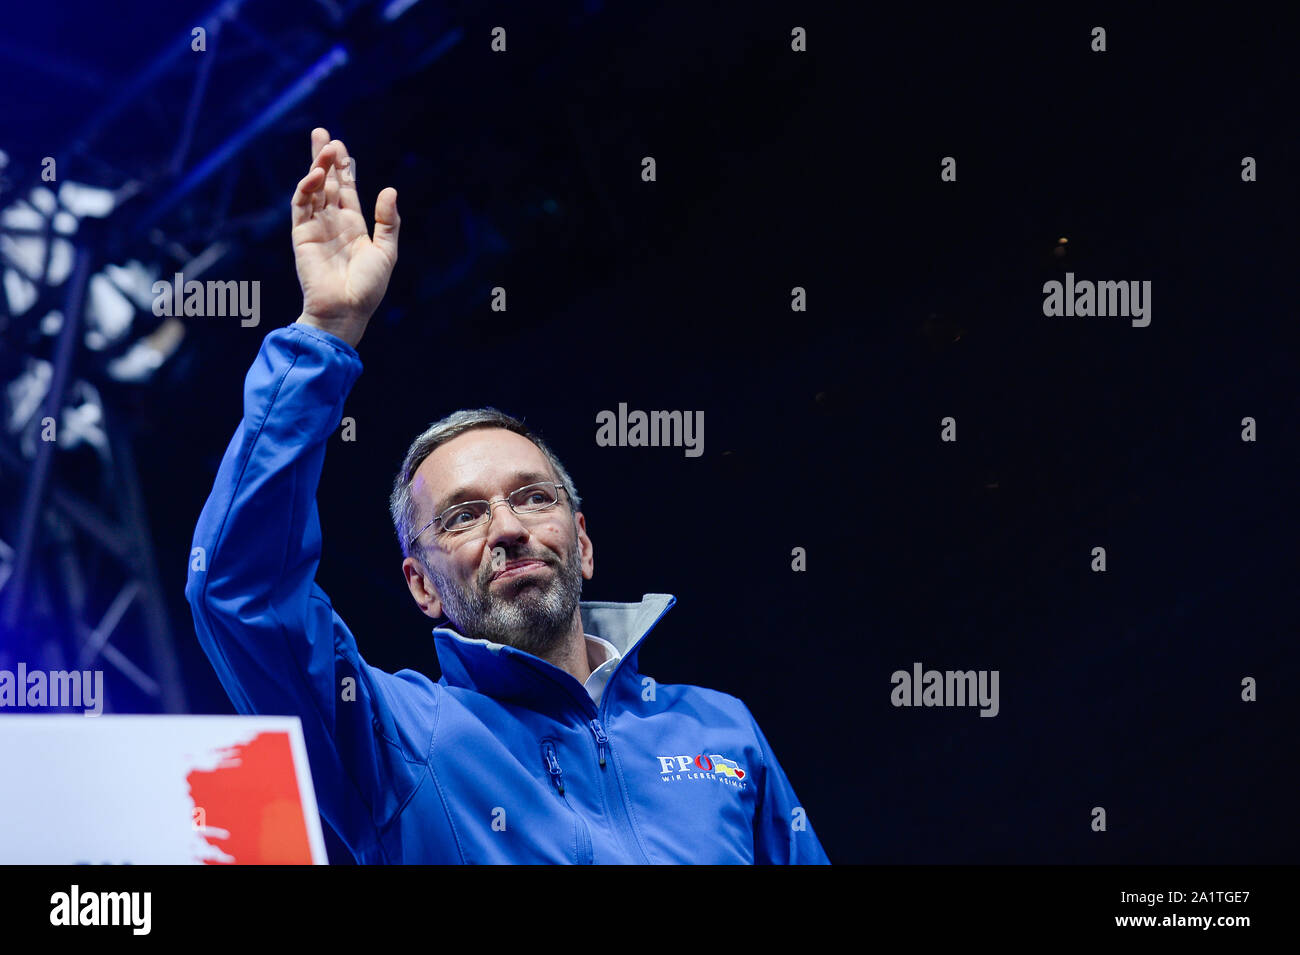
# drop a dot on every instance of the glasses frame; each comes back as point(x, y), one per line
point(442, 529)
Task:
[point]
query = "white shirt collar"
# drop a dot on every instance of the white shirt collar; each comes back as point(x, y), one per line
point(596, 648)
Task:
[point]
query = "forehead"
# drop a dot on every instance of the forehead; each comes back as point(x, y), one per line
point(484, 462)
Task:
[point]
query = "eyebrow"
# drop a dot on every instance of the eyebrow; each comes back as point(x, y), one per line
point(466, 492)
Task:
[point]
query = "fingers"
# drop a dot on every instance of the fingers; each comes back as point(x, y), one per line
point(319, 137)
point(314, 190)
point(387, 223)
point(329, 156)
point(308, 197)
point(347, 192)
point(331, 182)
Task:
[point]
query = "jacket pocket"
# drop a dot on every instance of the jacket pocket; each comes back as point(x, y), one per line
point(582, 853)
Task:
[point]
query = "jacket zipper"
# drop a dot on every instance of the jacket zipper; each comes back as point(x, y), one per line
point(557, 779)
point(602, 743)
point(553, 766)
point(601, 740)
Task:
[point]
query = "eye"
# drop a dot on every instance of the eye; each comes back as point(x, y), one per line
point(534, 498)
point(458, 517)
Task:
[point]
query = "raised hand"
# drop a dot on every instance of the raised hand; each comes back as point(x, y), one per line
point(342, 270)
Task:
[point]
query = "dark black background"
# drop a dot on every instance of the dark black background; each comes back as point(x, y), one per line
point(821, 169)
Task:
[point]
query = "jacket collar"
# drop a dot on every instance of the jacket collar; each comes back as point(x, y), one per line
point(511, 675)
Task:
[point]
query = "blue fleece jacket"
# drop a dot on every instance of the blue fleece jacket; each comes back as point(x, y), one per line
point(506, 758)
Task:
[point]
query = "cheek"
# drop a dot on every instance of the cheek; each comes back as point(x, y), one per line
point(463, 563)
point(470, 564)
point(560, 538)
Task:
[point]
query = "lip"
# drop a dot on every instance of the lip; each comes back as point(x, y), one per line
point(517, 568)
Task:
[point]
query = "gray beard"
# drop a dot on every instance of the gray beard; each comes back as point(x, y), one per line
point(536, 619)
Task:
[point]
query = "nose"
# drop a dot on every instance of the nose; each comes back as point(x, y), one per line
point(504, 526)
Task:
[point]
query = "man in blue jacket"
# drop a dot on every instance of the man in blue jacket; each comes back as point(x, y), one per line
point(541, 742)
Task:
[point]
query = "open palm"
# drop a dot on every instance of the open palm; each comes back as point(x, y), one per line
point(342, 270)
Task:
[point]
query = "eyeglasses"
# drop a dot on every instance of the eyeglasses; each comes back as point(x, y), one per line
point(470, 514)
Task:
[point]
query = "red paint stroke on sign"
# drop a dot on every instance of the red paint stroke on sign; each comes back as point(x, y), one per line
point(253, 795)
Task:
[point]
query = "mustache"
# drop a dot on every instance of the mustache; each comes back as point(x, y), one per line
point(501, 559)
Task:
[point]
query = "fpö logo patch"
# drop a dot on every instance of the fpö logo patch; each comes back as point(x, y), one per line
point(702, 766)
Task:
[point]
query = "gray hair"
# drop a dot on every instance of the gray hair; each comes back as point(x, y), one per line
point(402, 505)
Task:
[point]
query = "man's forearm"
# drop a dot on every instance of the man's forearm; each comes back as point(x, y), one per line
point(257, 544)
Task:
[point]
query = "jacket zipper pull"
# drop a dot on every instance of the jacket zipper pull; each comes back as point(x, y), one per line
point(601, 740)
point(553, 767)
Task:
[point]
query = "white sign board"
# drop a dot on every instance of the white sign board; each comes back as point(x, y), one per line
point(156, 790)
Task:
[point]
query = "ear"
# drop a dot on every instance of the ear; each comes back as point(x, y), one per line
point(422, 587)
point(585, 548)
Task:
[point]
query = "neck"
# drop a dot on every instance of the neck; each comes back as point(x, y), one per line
point(570, 654)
